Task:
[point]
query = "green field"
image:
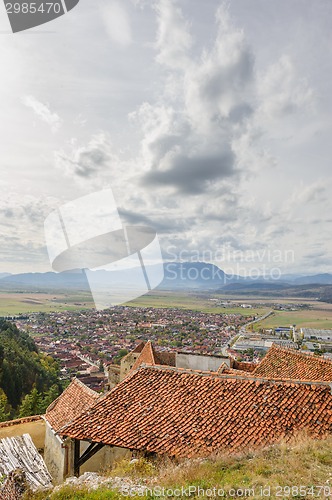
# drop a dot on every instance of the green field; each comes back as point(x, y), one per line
point(15, 303)
point(191, 301)
point(314, 318)
point(319, 314)
point(12, 304)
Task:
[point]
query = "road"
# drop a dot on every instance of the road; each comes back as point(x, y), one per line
point(243, 331)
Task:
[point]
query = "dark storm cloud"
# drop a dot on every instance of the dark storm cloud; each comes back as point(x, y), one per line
point(164, 225)
point(193, 175)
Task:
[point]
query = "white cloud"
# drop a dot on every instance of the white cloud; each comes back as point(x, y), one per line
point(173, 39)
point(229, 129)
point(43, 112)
point(282, 91)
point(117, 23)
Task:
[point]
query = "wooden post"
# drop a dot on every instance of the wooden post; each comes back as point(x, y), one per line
point(77, 457)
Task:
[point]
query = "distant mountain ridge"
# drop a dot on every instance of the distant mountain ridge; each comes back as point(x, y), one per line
point(178, 276)
point(4, 275)
point(321, 279)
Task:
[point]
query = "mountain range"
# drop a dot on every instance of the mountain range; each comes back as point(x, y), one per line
point(177, 276)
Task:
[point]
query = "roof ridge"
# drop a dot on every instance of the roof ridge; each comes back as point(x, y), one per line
point(86, 387)
point(297, 353)
point(73, 381)
point(233, 376)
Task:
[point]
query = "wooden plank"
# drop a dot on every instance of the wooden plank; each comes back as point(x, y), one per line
point(20, 452)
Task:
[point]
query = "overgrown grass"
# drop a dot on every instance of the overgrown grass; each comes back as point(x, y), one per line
point(302, 461)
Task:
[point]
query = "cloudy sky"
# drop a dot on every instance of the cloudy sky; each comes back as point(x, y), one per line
point(210, 121)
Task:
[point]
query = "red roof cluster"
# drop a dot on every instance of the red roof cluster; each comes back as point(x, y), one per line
point(185, 413)
point(75, 399)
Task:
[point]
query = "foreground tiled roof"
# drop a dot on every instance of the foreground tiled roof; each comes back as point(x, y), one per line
point(184, 413)
point(75, 399)
point(280, 362)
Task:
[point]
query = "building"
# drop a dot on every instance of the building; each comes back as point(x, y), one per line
point(175, 412)
point(147, 353)
point(163, 409)
point(75, 399)
point(293, 365)
point(312, 333)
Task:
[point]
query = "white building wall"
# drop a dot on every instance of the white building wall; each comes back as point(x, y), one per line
point(200, 362)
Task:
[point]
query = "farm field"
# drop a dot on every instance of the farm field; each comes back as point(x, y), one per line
point(12, 304)
point(20, 303)
point(318, 314)
point(312, 318)
point(194, 301)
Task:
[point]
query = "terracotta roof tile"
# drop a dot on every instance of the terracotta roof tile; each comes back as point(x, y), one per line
point(76, 398)
point(185, 414)
point(281, 362)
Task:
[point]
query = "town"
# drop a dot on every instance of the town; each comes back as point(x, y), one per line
point(88, 343)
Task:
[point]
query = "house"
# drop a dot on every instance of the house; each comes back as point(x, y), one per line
point(71, 403)
point(145, 352)
point(176, 412)
point(161, 408)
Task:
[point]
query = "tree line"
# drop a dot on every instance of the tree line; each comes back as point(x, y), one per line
point(29, 380)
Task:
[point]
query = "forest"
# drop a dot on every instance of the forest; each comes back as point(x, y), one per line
point(29, 380)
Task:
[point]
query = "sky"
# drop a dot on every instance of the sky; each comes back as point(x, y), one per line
point(210, 121)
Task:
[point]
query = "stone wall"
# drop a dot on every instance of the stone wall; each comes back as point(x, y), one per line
point(127, 363)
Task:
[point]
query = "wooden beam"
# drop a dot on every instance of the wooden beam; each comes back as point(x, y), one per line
point(77, 443)
point(89, 452)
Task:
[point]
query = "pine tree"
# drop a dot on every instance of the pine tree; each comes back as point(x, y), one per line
point(49, 397)
point(31, 404)
point(4, 407)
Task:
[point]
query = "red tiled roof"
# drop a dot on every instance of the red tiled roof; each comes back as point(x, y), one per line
point(75, 399)
point(281, 362)
point(184, 413)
